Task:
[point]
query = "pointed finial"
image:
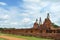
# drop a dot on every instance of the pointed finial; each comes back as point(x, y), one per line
point(48, 15)
point(36, 20)
point(40, 21)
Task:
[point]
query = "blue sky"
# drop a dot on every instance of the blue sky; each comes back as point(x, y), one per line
point(22, 13)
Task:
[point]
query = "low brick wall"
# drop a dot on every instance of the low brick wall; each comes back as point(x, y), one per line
point(55, 36)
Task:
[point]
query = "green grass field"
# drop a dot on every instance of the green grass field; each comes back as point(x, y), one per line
point(26, 37)
point(2, 39)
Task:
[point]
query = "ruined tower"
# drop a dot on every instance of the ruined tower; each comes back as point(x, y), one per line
point(35, 26)
point(47, 23)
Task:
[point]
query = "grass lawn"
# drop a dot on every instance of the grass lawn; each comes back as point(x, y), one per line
point(2, 39)
point(26, 37)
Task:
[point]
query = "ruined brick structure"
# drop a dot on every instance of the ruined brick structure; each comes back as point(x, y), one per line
point(39, 30)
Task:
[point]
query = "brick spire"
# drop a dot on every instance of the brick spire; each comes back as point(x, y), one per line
point(48, 16)
point(40, 21)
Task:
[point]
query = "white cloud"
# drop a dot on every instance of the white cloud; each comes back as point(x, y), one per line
point(25, 20)
point(31, 0)
point(24, 14)
point(55, 7)
point(44, 4)
point(3, 3)
point(3, 11)
point(31, 9)
point(14, 23)
point(6, 17)
point(52, 0)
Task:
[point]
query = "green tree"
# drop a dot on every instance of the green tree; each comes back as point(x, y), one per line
point(56, 26)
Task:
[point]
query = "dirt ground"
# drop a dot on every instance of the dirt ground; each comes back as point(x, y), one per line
point(11, 38)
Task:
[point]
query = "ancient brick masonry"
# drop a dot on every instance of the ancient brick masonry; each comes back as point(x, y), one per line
point(39, 30)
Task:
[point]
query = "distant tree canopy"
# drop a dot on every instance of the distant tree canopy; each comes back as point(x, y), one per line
point(6, 28)
point(56, 26)
point(1, 28)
